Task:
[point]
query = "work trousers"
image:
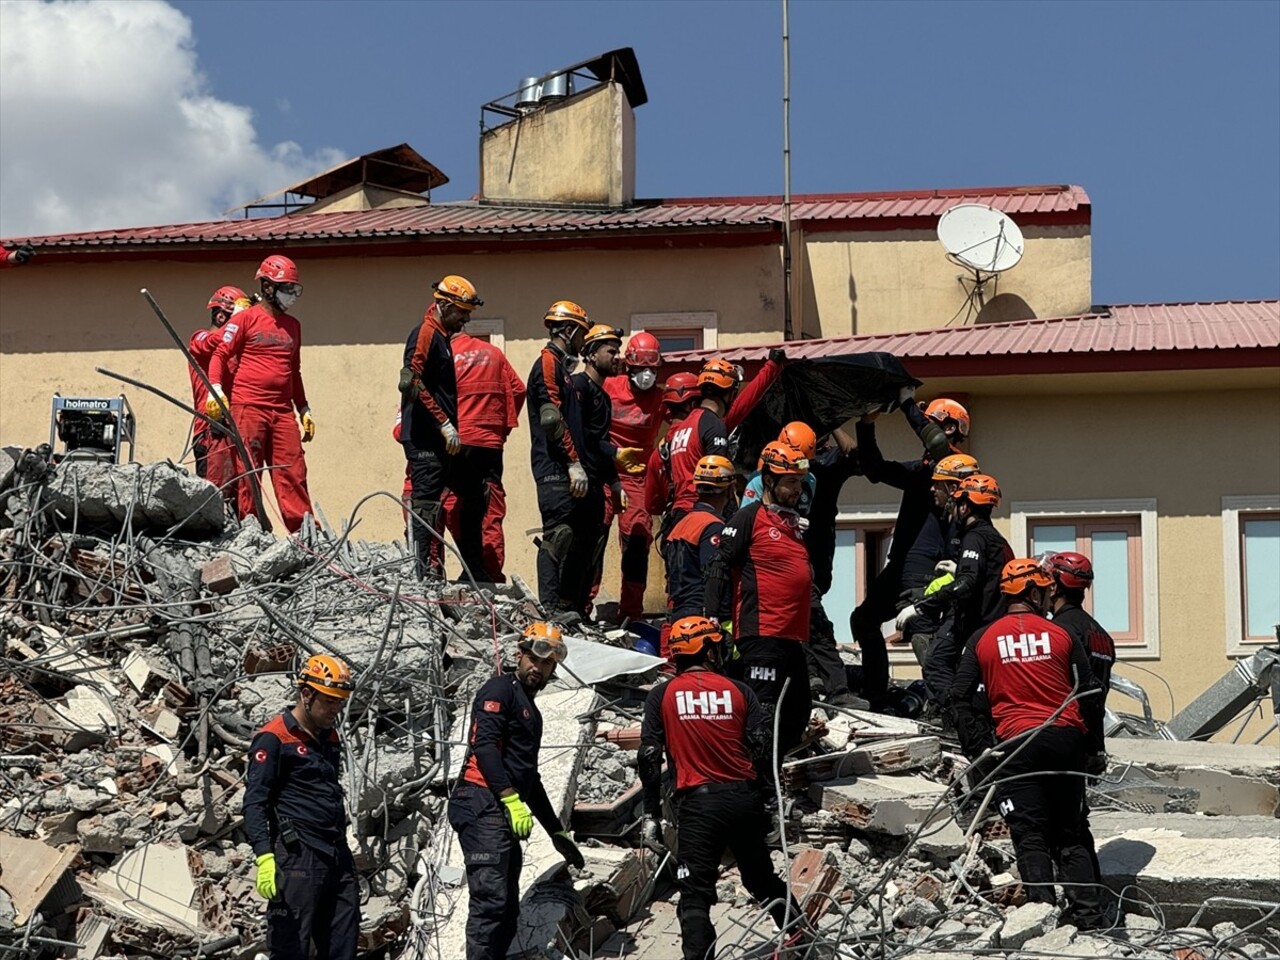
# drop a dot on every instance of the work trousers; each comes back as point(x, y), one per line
point(879, 605)
point(492, 539)
point(709, 820)
point(766, 664)
point(215, 462)
point(1042, 801)
point(826, 669)
point(493, 859)
point(572, 535)
point(635, 537)
point(939, 669)
point(272, 439)
point(474, 508)
point(317, 903)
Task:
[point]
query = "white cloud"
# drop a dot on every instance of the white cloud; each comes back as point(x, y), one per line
point(107, 121)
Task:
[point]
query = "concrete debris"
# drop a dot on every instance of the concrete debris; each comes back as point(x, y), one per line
point(146, 637)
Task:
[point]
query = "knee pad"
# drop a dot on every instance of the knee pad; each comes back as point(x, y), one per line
point(430, 512)
point(557, 541)
point(551, 422)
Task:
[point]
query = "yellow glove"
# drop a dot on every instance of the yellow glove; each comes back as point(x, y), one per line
point(213, 406)
point(308, 426)
point(267, 876)
point(519, 814)
point(630, 459)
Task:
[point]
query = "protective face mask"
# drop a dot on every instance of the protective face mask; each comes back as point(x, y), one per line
point(644, 379)
point(285, 300)
point(571, 361)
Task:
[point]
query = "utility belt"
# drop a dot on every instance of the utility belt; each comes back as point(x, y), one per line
point(707, 788)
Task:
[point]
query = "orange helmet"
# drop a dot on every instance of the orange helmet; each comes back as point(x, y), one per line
point(943, 409)
point(459, 291)
point(801, 436)
point(643, 350)
point(689, 634)
point(979, 488)
point(955, 467)
point(719, 373)
point(224, 298)
point(601, 333)
point(328, 675)
point(782, 459)
point(278, 269)
point(566, 311)
point(679, 388)
point(1021, 573)
point(544, 641)
point(714, 471)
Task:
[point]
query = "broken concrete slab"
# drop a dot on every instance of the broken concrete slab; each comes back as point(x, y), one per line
point(151, 883)
point(1228, 779)
point(885, 756)
point(151, 497)
point(895, 804)
point(31, 870)
point(1180, 860)
point(1027, 922)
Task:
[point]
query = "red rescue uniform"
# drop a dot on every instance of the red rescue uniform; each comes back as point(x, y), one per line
point(215, 453)
point(264, 351)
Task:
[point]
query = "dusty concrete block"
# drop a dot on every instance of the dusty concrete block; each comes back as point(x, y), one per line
point(895, 804)
point(916, 912)
point(1025, 923)
point(154, 497)
point(86, 709)
point(1052, 943)
point(1228, 779)
point(218, 575)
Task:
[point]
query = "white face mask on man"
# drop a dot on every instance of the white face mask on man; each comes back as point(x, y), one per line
point(644, 378)
point(287, 296)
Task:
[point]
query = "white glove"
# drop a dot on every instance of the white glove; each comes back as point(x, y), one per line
point(577, 479)
point(908, 613)
point(651, 833)
point(905, 395)
point(945, 566)
point(452, 442)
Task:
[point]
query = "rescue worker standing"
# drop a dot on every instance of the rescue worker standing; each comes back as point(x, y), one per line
point(637, 400)
point(679, 395)
point(429, 423)
point(212, 448)
point(692, 545)
point(715, 735)
point(1031, 668)
point(500, 793)
point(762, 553)
point(558, 473)
point(296, 822)
point(490, 395)
point(261, 347)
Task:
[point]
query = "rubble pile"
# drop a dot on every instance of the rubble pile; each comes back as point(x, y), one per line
point(143, 647)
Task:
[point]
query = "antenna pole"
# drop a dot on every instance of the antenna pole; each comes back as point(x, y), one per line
point(787, 331)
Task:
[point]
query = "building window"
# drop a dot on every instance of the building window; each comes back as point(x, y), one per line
point(680, 331)
point(1251, 555)
point(1118, 536)
point(488, 329)
point(862, 549)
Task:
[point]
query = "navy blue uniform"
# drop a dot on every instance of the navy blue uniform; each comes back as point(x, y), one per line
point(502, 753)
point(689, 550)
point(293, 779)
point(549, 383)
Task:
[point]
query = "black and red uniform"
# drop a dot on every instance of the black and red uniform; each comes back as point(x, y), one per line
point(1030, 668)
point(263, 350)
point(293, 808)
point(596, 452)
point(762, 551)
point(687, 554)
point(502, 753)
point(714, 734)
point(1090, 634)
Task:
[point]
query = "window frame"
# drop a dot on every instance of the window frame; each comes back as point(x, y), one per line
point(492, 327)
point(879, 515)
point(1235, 510)
point(1024, 513)
point(708, 321)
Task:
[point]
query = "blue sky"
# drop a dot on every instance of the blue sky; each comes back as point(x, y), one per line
point(1167, 113)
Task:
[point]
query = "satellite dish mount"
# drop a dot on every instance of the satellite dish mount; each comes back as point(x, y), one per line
point(985, 242)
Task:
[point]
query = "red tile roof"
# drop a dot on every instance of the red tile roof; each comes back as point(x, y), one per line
point(1043, 204)
point(1121, 337)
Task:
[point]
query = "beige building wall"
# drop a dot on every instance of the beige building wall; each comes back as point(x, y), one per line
point(882, 282)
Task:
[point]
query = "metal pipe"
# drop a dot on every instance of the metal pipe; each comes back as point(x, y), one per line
point(787, 330)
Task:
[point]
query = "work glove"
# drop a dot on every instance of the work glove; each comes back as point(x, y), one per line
point(212, 406)
point(266, 876)
point(519, 815)
point(406, 383)
point(619, 498)
point(905, 615)
point(452, 442)
point(577, 480)
point(630, 459)
point(23, 253)
point(938, 583)
point(308, 426)
point(565, 846)
point(905, 395)
point(778, 355)
point(945, 566)
point(651, 834)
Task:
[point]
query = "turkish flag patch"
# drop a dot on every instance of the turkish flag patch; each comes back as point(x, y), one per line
point(302, 749)
point(492, 706)
point(260, 756)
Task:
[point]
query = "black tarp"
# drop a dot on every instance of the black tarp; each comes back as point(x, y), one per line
point(825, 393)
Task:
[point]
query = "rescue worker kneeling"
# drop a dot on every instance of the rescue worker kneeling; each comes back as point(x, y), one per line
point(1047, 713)
point(500, 793)
point(715, 736)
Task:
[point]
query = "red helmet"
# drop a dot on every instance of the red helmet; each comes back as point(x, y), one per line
point(801, 436)
point(944, 409)
point(1021, 573)
point(643, 350)
point(278, 269)
point(679, 388)
point(224, 298)
point(1072, 570)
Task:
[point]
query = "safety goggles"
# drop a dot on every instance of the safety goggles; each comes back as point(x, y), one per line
point(544, 649)
point(291, 289)
point(645, 358)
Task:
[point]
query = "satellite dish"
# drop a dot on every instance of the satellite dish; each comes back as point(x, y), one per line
point(981, 238)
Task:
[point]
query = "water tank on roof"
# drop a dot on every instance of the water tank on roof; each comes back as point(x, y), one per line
point(528, 97)
point(557, 88)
